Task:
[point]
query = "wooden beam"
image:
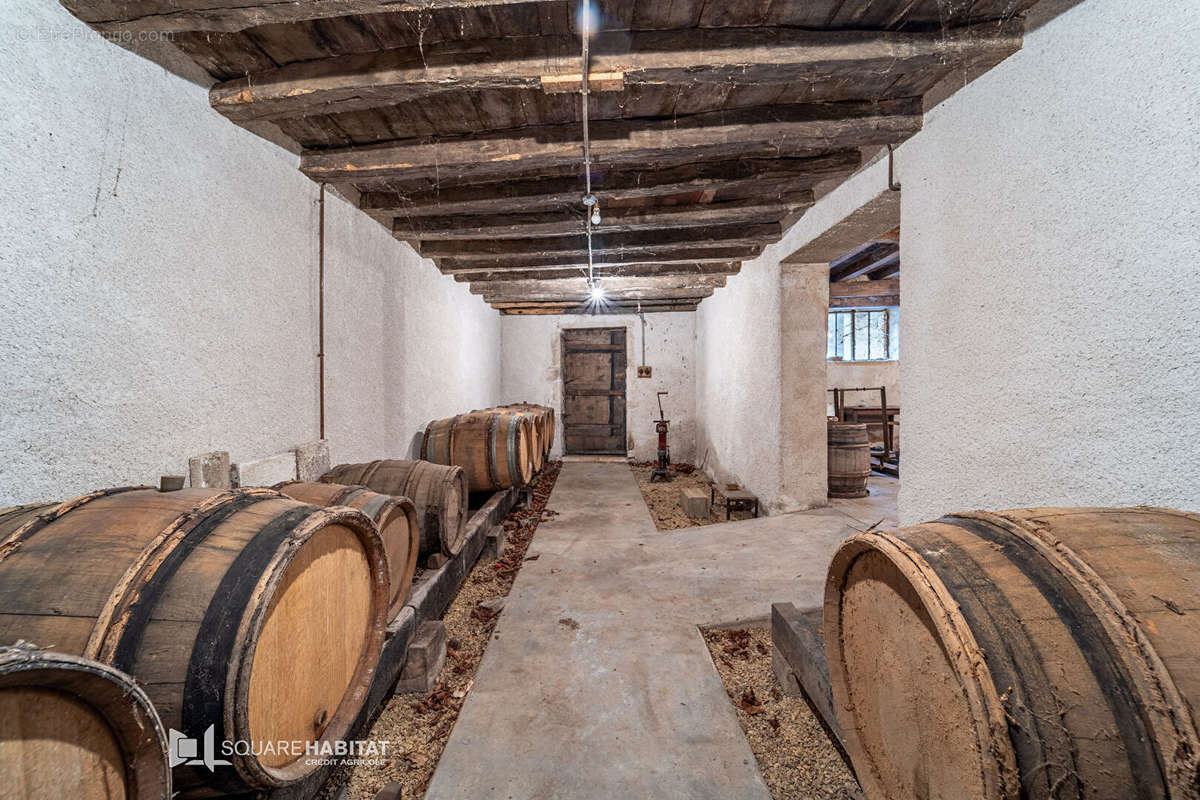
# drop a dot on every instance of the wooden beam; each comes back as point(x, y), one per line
point(568, 261)
point(885, 268)
point(861, 261)
point(865, 302)
point(725, 56)
point(772, 131)
point(178, 16)
point(638, 241)
point(600, 309)
point(768, 178)
point(615, 220)
point(864, 288)
point(611, 295)
point(577, 285)
point(602, 271)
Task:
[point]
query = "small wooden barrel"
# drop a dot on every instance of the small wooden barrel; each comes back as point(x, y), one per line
point(1037, 653)
point(396, 518)
point(494, 448)
point(243, 610)
point(73, 728)
point(438, 492)
point(849, 460)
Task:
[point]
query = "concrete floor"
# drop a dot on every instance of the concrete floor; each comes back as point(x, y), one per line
point(597, 683)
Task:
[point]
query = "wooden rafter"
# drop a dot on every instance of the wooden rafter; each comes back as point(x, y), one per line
point(682, 268)
point(578, 261)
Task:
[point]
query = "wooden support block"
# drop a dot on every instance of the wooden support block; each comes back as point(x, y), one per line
point(493, 544)
point(597, 82)
point(695, 502)
point(425, 659)
point(798, 639)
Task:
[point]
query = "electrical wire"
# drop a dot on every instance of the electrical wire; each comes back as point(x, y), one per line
point(586, 25)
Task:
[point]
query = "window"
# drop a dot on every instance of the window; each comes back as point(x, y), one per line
point(862, 335)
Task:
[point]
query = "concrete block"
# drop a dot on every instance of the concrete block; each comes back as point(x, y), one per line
point(312, 460)
point(265, 471)
point(695, 501)
point(425, 659)
point(209, 471)
point(789, 684)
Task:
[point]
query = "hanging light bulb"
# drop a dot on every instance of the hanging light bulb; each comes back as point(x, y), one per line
point(597, 292)
point(596, 215)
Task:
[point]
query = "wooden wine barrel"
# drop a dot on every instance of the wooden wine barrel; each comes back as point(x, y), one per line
point(849, 460)
point(396, 518)
point(494, 448)
point(243, 610)
point(73, 728)
point(545, 415)
point(1039, 653)
point(536, 429)
point(438, 492)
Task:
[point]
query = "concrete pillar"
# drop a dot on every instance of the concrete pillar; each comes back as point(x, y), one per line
point(804, 323)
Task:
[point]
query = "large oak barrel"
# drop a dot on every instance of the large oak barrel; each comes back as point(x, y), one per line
point(544, 422)
point(242, 610)
point(536, 419)
point(849, 459)
point(396, 518)
point(438, 492)
point(1038, 653)
point(73, 728)
point(494, 448)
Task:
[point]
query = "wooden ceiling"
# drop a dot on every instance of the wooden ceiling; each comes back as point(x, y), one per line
point(445, 121)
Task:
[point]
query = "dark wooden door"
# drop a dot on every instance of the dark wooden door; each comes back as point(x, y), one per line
point(594, 391)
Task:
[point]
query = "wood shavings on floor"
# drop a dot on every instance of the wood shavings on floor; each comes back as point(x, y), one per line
point(795, 755)
point(663, 498)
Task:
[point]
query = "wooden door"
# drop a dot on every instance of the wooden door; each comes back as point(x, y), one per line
point(594, 391)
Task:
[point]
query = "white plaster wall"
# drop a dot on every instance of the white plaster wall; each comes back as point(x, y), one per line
point(738, 381)
point(532, 372)
point(1051, 325)
point(158, 292)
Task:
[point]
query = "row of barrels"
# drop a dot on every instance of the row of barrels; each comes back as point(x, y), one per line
point(257, 613)
point(1040, 654)
point(497, 448)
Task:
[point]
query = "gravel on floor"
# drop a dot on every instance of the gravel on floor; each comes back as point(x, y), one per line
point(418, 726)
point(663, 498)
point(795, 755)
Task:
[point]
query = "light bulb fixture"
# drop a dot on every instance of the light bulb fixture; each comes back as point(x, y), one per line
point(596, 215)
point(597, 292)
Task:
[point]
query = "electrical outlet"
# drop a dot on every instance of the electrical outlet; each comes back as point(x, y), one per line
point(645, 372)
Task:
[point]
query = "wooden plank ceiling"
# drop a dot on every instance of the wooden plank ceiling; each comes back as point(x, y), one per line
point(434, 115)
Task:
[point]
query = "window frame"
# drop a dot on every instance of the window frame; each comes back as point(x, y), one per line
point(851, 315)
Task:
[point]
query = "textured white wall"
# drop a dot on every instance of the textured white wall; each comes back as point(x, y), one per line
point(738, 380)
point(532, 372)
point(1050, 318)
point(158, 291)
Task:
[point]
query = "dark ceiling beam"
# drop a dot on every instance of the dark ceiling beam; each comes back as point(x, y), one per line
point(682, 268)
point(656, 296)
point(614, 220)
point(862, 260)
point(863, 288)
point(178, 16)
point(577, 285)
point(865, 302)
point(683, 239)
point(726, 56)
point(568, 261)
point(766, 177)
point(599, 309)
point(885, 268)
point(772, 131)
